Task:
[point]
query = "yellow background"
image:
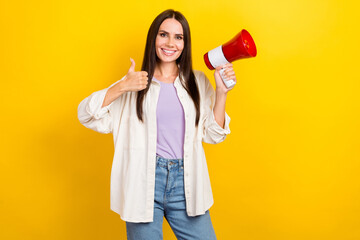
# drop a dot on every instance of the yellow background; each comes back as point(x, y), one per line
point(288, 171)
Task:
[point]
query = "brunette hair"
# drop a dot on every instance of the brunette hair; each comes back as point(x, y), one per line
point(187, 77)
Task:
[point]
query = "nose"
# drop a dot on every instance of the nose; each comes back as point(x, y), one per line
point(170, 41)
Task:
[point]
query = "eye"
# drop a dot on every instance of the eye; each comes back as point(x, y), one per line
point(179, 38)
point(162, 34)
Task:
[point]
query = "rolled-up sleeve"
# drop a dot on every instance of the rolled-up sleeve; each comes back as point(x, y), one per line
point(212, 132)
point(92, 115)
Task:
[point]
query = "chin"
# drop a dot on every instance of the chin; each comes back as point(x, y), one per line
point(167, 60)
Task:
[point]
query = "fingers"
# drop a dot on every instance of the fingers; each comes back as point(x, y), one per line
point(143, 83)
point(141, 80)
point(144, 73)
point(132, 67)
point(227, 72)
point(137, 75)
point(141, 75)
point(225, 66)
point(136, 81)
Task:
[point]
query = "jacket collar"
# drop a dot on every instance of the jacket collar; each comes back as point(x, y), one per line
point(157, 82)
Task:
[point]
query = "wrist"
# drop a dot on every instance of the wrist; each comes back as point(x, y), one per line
point(120, 89)
point(220, 94)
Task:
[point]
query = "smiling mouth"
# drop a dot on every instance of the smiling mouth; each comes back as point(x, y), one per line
point(168, 52)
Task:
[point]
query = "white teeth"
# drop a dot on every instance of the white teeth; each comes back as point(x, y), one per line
point(168, 51)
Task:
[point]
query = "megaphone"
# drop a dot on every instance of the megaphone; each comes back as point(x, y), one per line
point(241, 46)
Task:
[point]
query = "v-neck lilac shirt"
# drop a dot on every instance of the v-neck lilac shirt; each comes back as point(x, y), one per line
point(170, 123)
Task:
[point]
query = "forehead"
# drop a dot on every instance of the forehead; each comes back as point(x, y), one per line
point(171, 25)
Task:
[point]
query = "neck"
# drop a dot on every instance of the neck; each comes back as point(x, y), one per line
point(166, 70)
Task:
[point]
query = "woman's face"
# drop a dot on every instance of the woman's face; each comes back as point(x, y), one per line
point(169, 42)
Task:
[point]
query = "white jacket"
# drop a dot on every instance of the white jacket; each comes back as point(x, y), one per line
point(134, 162)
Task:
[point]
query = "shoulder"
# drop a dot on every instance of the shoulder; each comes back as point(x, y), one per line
point(202, 81)
point(199, 74)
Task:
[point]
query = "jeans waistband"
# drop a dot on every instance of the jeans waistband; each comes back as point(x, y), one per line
point(166, 162)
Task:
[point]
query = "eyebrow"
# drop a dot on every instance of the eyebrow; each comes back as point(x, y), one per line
point(178, 34)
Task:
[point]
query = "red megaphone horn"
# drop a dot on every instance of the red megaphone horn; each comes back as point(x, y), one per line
point(241, 46)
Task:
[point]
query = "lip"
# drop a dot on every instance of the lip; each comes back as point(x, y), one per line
point(163, 50)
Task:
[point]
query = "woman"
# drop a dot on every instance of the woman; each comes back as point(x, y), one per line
point(159, 117)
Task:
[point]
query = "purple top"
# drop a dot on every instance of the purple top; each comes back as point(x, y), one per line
point(170, 123)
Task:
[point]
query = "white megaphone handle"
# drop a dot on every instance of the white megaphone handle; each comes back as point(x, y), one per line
point(229, 83)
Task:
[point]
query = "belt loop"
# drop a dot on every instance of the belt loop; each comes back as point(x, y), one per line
point(157, 160)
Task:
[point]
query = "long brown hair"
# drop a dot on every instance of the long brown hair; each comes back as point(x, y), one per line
point(187, 77)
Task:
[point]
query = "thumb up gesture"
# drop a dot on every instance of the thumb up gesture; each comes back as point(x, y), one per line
point(134, 81)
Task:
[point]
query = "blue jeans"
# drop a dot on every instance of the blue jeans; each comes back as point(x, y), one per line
point(170, 203)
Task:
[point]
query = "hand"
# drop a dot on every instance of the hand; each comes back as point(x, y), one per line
point(134, 81)
point(229, 73)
